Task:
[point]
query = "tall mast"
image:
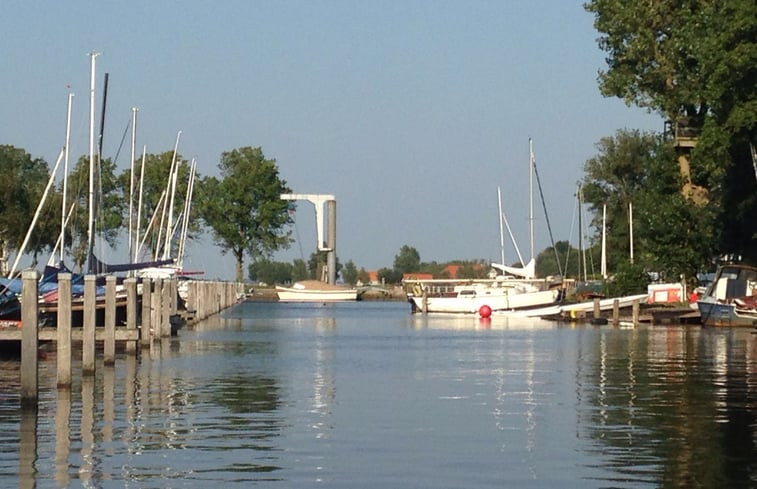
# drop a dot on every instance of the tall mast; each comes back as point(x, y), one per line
point(171, 190)
point(531, 194)
point(501, 231)
point(65, 172)
point(91, 190)
point(131, 178)
point(604, 241)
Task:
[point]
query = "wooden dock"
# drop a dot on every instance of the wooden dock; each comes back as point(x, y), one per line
point(150, 307)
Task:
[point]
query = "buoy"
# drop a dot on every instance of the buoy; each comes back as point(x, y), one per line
point(484, 311)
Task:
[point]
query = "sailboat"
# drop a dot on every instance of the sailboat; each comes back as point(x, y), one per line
point(508, 288)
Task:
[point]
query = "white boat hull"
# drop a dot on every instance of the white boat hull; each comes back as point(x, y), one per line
point(496, 302)
point(312, 294)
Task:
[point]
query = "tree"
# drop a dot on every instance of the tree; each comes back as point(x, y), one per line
point(408, 260)
point(350, 273)
point(389, 276)
point(270, 272)
point(244, 207)
point(672, 234)
point(694, 63)
point(299, 270)
point(23, 182)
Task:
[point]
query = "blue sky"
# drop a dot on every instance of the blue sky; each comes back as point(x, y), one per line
point(410, 112)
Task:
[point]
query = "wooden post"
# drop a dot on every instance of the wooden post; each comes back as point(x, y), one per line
point(29, 340)
point(144, 334)
point(88, 328)
point(165, 317)
point(109, 348)
point(635, 312)
point(596, 307)
point(424, 301)
point(64, 330)
point(157, 311)
point(131, 312)
point(615, 312)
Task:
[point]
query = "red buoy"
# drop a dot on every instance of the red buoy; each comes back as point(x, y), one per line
point(484, 311)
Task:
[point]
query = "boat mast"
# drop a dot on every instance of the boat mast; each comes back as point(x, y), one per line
point(131, 180)
point(604, 241)
point(91, 189)
point(170, 196)
point(501, 231)
point(65, 172)
point(531, 194)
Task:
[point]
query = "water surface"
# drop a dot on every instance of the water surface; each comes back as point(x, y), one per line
point(367, 395)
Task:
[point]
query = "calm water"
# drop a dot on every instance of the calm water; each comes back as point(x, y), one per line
point(368, 395)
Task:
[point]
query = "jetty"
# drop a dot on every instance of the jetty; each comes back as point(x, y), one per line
point(151, 312)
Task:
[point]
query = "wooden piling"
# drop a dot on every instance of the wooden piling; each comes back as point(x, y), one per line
point(596, 307)
point(616, 312)
point(145, 335)
point(130, 284)
point(165, 317)
point(109, 347)
point(29, 339)
point(88, 328)
point(635, 313)
point(63, 327)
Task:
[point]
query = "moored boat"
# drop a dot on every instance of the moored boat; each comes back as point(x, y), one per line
point(731, 298)
point(315, 291)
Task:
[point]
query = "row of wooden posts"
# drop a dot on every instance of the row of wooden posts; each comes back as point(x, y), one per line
point(153, 322)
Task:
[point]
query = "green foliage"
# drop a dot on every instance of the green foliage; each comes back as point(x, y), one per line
point(270, 272)
point(628, 279)
point(349, 273)
point(698, 61)
point(244, 208)
point(389, 276)
point(408, 260)
point(21, 186)
point(363, 276)
point(317, 264)
point(299, 270)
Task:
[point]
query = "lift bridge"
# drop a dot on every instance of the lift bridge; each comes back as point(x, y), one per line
point(329, 246)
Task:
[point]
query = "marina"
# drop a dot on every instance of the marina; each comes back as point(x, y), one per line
point(365, 394)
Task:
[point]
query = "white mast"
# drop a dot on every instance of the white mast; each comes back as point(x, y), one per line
point(531, 194)
point(501, 231)
point(131, 178)
point(604, 241)
point(91, 192)
point(65, 172)
point(170, 195)
point(630, 227)
point(139, 205)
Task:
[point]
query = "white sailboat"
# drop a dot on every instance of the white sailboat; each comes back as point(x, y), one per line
point(509, 288)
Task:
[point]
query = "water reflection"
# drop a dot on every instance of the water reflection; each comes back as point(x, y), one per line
point(275, 394)
point(673, 406)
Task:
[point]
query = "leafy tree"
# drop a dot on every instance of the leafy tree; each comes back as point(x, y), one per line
point(270, 272)
point(244, 207)
point(408, 260)
point(694, 63)
point(22, 185)
point(389, 276)
point(615, 177)
point(299, 270)
point(350, 273)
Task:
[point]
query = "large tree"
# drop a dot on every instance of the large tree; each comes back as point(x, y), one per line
point(244, 207)
point(22, 183)
point(694, 62)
